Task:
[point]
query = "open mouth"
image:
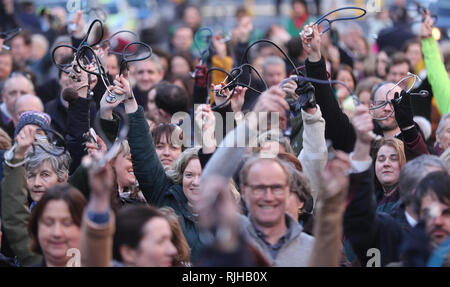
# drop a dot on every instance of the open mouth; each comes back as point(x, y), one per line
point(267, 207)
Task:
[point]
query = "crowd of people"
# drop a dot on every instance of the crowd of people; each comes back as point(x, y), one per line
point(247, 164)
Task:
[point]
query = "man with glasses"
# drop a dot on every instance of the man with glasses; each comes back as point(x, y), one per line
point(15, 86)
point(391, 118)
point(395, 118)
point(265, 190)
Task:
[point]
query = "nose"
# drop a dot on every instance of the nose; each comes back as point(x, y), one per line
point(196, 180)
point(57, 230)
point(438, 220)
point(387, 163)
point(171, 250)
point(166, 150)
point(387, 107)
point(268, 194)
point(37, 181)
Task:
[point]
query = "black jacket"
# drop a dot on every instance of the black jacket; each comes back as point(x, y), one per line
point(141, 97)
point(77, 125)
point(338, 127)
point(8, 262)
point(58, 112)
point(365, 228)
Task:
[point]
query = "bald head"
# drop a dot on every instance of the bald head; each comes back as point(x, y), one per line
point(27, 103)
point(15, 87)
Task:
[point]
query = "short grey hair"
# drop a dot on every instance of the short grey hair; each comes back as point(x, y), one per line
point(298, 183)
point(273, 60)
point(254, 159)
point(413, 172)
point(441, 125)
point(37, 156)
point(155, 59)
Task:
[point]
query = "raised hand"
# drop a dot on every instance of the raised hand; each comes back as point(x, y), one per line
point(427, 25)
point(24, 140)
point(220, 98)
point(335, 178)
point(205, 119)
point(272, 101)
point(106, 108)
point(311, 42)
point(403, 110)
point(101, 182)
point(122, 87)
point(238, 98)
point(289, 88)
point(96, 150)
point(363, 124)
point(80, 79)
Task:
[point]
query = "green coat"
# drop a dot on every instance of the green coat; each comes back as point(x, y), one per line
point(157, 188)
point(16, 214)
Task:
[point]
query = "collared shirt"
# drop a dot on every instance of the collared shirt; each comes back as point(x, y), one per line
point(274, 249)
point(411, 221)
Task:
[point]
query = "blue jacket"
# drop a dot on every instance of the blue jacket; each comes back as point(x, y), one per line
point(157, 188)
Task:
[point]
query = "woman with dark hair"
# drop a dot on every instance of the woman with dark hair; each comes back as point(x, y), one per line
point(54, 225)
point(167, 150)
point(143, 238)
point(344, 74)
point(180, 65)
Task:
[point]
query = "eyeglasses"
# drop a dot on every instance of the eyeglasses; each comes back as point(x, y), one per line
point(382, 104)
point(260, 189)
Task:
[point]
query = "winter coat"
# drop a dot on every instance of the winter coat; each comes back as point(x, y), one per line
point(156, 187)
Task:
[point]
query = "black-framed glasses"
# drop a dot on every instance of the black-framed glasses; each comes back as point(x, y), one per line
point(261, 189)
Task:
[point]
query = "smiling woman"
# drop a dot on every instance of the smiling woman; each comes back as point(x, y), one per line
point(54, 225)
point(389, 158)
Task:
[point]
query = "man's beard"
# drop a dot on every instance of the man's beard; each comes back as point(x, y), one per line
point(387, 127)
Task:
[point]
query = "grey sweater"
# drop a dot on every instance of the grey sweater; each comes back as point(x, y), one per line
point(295, 252)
